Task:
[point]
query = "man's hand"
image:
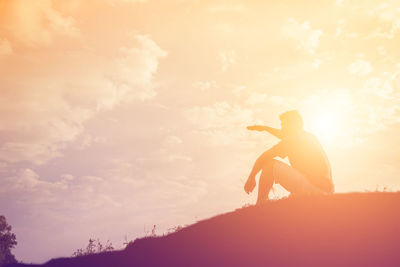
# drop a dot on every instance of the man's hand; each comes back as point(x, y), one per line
point(256, 128)
point(249, 186)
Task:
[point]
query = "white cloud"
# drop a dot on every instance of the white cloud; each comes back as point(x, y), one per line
point(305, 36)
point(238, 89)
point(43, 108)
point(340, 2)
point(136, 67)
point(36, 22)
point(205, 85)
point(316, 63)
point(381, 50)
point(341, 24)
point(227, 59)
point(387, 11)
point(385, 86)
point(360, 67)
point(279, 100)
point(218, 115)
point(256, 98)
point(173, 140)
point(358, 113)
point(220, 122)
point(27, 181)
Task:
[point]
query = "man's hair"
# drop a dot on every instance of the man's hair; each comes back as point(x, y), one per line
point(293, 117)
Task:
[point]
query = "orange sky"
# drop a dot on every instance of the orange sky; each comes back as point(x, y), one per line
point(120, 114)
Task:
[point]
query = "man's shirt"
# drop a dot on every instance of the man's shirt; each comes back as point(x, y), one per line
point(306, 155)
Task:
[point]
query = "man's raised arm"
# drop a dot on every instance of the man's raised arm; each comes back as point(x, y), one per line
point(275, 132)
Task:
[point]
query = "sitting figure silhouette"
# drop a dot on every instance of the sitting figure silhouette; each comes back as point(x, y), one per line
point(309, 172)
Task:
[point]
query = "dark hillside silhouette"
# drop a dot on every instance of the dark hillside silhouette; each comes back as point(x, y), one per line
point(357, 229)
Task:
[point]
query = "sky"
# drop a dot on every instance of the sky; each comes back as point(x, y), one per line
point(117, 115)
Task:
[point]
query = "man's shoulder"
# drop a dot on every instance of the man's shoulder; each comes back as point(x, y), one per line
point(310, 136)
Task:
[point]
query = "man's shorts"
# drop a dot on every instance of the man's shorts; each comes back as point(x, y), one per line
point(293, 180)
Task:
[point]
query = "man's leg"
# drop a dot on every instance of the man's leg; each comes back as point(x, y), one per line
point(293, 181)
point(266, 181)
point(265, 157)
point(259, 164)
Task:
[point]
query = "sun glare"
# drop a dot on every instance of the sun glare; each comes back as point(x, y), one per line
point(325, 125)
point(326, 115)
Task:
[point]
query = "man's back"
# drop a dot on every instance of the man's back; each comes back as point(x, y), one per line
point(306, 155)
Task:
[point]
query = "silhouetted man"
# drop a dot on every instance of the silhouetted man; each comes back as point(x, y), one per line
point(309, 171)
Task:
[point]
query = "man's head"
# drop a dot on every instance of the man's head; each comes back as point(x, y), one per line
point(291, 122)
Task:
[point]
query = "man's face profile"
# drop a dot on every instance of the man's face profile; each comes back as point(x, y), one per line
point(287, 127)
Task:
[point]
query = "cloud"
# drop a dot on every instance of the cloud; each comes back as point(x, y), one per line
point(238, 89)
point(205, 85)
point(49, 93)
point(381, 93)
point(360, 67)
point(138, 63)
point(388, 11)
point(219, 122)
point(362, 113)
point(305, 36)
point(218, 115)
point(341, 24)
point(381, 50)
point(173, 140)
point(36, 191)
point(227, 59)
point(35, 22)
point(316, 63)
point(340, 2)
point(256, 98)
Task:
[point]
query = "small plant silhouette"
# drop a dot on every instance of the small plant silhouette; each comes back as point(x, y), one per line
point(175, 229)
point(94, 246)
point(152, 233)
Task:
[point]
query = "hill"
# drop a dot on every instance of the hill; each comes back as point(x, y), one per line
point(357, 229)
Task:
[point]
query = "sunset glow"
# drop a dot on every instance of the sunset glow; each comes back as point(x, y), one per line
point(116, 115)
point(326, 126)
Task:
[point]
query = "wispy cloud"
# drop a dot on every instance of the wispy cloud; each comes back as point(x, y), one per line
point(303, 34)
point(227, 59)
point(45, 107)
point(360, 67)
point(36, 22)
